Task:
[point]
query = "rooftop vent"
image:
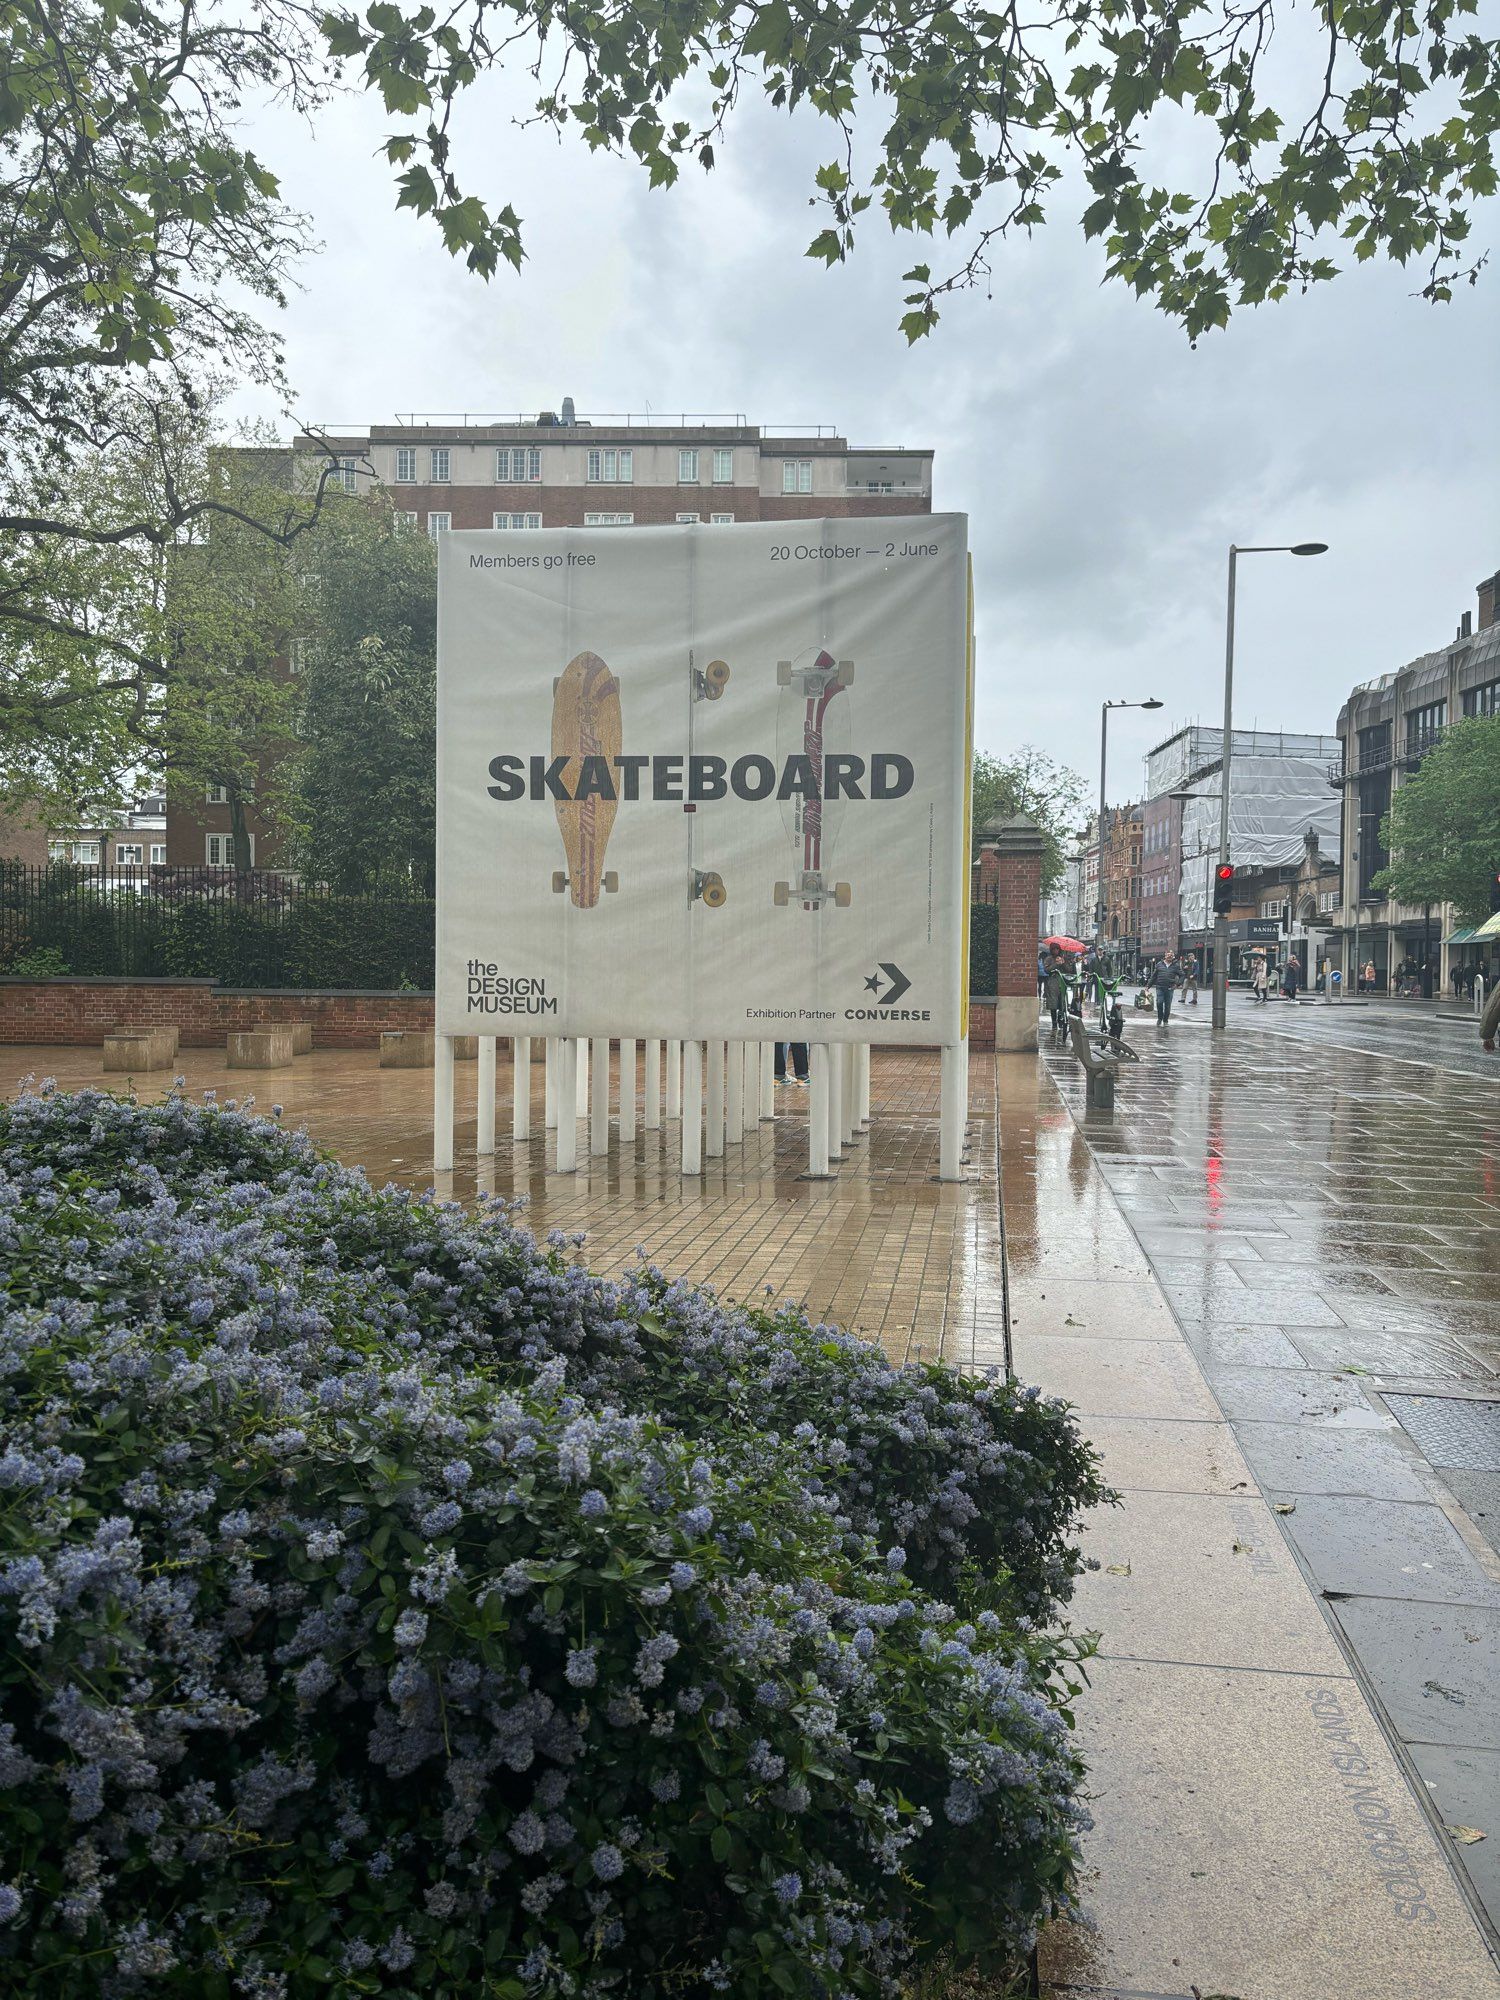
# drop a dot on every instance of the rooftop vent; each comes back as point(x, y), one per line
point(567, 410)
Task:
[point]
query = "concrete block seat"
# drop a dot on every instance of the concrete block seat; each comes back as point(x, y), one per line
point(171, 1038)
point(139, 1049)
point(260, 1048)
point(301, 1034)
point(406, 1048)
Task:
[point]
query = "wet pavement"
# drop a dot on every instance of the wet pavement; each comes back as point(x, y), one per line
point(1318, 1196)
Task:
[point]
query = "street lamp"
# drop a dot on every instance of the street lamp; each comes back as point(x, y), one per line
point(1221, 922)
point(1103, 759)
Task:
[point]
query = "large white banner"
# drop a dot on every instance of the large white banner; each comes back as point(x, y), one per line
point(704, 781)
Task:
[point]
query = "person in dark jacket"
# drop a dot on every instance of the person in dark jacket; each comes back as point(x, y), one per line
point(1055, 994)
point(1164, 979)
point(1291, 979)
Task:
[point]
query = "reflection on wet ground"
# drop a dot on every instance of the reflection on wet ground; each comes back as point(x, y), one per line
point(1319, 1198)
point(882, 1247)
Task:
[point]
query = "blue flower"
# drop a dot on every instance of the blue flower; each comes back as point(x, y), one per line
point(608, 1862)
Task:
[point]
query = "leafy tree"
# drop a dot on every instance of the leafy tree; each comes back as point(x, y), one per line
point(361, 792)
point(1443, 828)
point(121, 653)
point(1034, 783)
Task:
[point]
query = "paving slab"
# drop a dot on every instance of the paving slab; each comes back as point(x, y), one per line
point(1166, 1456)
point(1313, 1458)
point(1118, 1378)
point(1387, 1548)
point(1435, 1668)
point(1283, 1855)
point(1465, 1787)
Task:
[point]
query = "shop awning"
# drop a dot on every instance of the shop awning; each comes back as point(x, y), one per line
point(1490, 928)
point(1460, 937)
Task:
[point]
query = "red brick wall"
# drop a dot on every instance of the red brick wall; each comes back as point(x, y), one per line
point(982, 1023)
point(1019, 885)
point(76, 1012)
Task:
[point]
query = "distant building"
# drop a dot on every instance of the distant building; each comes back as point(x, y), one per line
point(557, 469)
point(1278, 797)
point(138, 839)
point(1386, 728)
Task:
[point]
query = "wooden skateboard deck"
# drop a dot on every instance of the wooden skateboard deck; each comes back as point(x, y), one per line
point(585, 723)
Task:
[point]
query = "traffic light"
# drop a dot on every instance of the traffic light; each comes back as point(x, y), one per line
point(1223, 888)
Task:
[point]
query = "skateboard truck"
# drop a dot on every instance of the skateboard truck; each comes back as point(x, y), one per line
point(609, 881)
point(814, 679)
point(810, 888)
point(710, 888)
point(711, 682)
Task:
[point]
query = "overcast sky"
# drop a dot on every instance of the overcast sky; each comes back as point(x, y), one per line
point(1103, 463)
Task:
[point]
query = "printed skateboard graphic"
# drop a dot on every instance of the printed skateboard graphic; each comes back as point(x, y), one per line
point(810, 722)
point(704, 884)
point(585, 723)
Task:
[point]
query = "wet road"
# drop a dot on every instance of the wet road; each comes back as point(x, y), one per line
point(1318, 1193)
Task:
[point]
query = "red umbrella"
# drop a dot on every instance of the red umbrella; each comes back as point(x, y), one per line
point(1062, 944)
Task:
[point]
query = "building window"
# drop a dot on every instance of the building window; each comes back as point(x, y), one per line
point(406, 465)
point(84, 852)
point(216, 795)
point(721, 520)
point(689, 517)
point(517, 465)
point(129, 854)
point(796, 475)
point(1328, 899)
point(343, 474)
point(518, 520)
point(405, 520)
point(1273, 909)
point(296, 656)
point(687, 467)
point(723, 468)
point(1483, 700)
point(158, 854)
point(439, 524)
point(442, 463)
point(609, 467)
point(1375, 746)
point(1424, 726)
point(608, 520)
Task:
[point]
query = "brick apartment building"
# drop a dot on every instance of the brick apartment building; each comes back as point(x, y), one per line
point(562, 470)
point(136, 840)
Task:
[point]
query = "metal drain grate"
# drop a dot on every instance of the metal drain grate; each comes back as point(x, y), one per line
point(1451, 1430)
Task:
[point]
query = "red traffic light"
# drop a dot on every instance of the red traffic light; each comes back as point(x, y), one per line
point(1225, 871)
point(1223, 888)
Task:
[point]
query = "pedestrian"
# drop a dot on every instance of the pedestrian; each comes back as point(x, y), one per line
point(1291, 979)
point(1456, 980)
point(1055, 993)
point(1190, 982)
point(799, 1063)
point(1367, 977)
point(1489, 1027)
point(1164, 979)
point(1041, 974)
point(1259, 979)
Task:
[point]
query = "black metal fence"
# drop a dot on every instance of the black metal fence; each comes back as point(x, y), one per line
point(257, 929)
point(253, 929)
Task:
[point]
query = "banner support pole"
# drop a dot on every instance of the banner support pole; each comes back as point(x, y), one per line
point(653, 1086)
point(599, 1095)
point(864, 1084)
point(690, 1102)
point(580, 1061)
point(734, 1106)
point(567, 1089)
point(674, 1078)
point(954, 1110)
point(817, 1112)
point(442, 1104)
point(485, 1092)
point(713, 1106)
point(627, 1090)
point(520, 1087)
point(549, 1082)
point(768, 1080)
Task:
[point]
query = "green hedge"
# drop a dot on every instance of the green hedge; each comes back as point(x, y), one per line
point(984, 947)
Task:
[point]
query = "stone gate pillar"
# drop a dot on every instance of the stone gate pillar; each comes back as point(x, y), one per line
point(1017, 845)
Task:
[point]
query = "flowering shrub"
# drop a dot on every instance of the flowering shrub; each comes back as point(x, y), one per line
point(972, 1476)
point(356, 1637)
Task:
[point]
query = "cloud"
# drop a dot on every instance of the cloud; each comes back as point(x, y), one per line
point(1104, 464)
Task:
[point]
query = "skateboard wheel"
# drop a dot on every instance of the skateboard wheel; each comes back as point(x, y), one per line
point(716, 678)
point(559, 881)
point(609, 881)
point(714, 892)
point(843, 895)
point(845, 673)
point(784, 673)
point(781, 895)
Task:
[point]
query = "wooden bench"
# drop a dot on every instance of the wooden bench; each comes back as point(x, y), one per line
point(260, 1048)
point(1101, 1056)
